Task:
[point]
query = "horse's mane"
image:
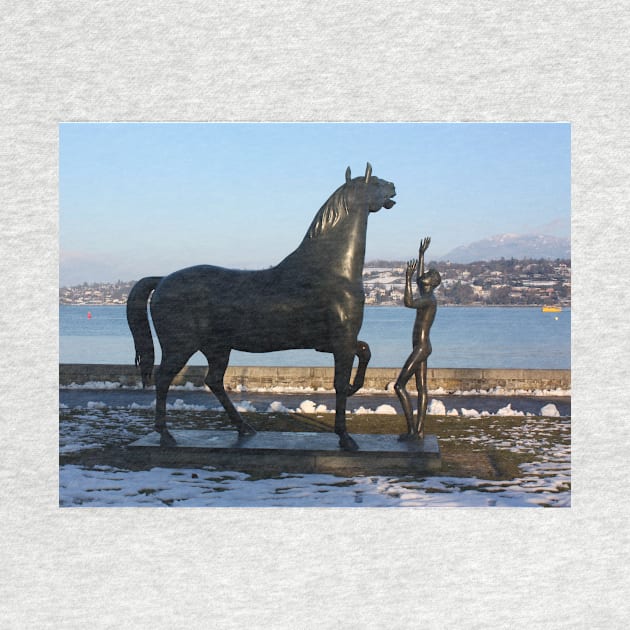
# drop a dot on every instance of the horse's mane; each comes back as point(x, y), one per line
point(330, 213)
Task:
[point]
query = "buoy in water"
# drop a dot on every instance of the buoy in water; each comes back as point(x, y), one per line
point(90, 315)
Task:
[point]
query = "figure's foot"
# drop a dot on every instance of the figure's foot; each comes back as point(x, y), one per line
point(246, 429)
point(347, 443)
point(166, 439)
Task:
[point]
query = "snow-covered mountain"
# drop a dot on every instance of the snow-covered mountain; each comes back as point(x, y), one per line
point(511, 246)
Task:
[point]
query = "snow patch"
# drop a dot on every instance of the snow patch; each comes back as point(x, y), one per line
point(245, 406)
point(550, 411)
point(180, 405)
point(385, 410)
point(440, 391)
point(94, 385)
point(277, 407)
point(508, 411)
point(469, 413)
point(307, 406)
point(187, 387)
point(436, 408)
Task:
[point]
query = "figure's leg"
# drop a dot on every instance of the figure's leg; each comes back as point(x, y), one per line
point(423, 397)
point(217, 364)
point(343, 369)
point(412, 365)
point(172, 363)
point(364, 355)
point(400, 387)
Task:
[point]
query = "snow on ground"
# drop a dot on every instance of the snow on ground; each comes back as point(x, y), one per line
point(178, 405)
point(435, 407)
point(544, 480)
point(203, 487)
point(308, 406)
point(96, 385)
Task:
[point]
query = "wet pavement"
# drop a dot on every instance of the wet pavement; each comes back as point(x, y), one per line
point(124, 398)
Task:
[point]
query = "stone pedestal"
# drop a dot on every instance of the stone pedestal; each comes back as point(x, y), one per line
point(292, 452)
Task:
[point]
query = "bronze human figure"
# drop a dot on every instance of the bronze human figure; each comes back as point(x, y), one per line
point(416, 364)
point(314, 298)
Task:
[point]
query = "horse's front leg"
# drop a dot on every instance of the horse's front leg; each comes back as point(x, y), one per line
point(343, 369)
point(363, 353)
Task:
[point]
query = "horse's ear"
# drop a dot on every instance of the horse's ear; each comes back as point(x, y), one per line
point(368, 173)
point(348, 175)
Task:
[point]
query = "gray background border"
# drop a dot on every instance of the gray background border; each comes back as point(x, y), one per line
point(367, 61)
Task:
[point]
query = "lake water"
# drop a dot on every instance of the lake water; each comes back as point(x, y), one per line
point(496, 337)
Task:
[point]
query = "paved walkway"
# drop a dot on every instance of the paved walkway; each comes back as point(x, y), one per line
point(261, 401)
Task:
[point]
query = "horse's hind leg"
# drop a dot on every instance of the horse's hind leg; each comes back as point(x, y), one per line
point(172, 363)
point(363, 353)
point(217, 364)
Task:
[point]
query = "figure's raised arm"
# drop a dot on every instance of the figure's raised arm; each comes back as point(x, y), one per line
point(412, 265)
point(424, 245)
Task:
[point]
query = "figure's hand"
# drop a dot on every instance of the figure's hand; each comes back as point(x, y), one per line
point(424, 244)
point(412, 265)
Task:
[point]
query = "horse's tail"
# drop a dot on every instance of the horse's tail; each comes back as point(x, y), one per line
point(138, 321)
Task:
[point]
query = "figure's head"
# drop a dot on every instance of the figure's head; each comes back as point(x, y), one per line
point(429, 280)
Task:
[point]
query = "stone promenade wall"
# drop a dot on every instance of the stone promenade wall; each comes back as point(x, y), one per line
point(450, 379)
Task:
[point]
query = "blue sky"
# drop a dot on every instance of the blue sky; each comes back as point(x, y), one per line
point(148, 199)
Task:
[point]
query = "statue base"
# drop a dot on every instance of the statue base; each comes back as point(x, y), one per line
point(292, 452)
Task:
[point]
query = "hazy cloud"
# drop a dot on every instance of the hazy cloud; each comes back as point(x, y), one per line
point(560, 226)
point(76, 267)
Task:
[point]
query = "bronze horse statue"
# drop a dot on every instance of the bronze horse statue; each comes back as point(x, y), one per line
point(313, 299)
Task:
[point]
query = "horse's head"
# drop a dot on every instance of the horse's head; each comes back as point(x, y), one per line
point(378, 192)
point(355, 195)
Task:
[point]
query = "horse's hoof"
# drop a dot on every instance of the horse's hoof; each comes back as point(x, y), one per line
point(166, 439)
point(246, 429)
point(407, 437)
point(347, 443)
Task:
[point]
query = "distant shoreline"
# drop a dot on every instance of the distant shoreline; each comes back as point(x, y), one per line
point(513, 283)
point(538, 306)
